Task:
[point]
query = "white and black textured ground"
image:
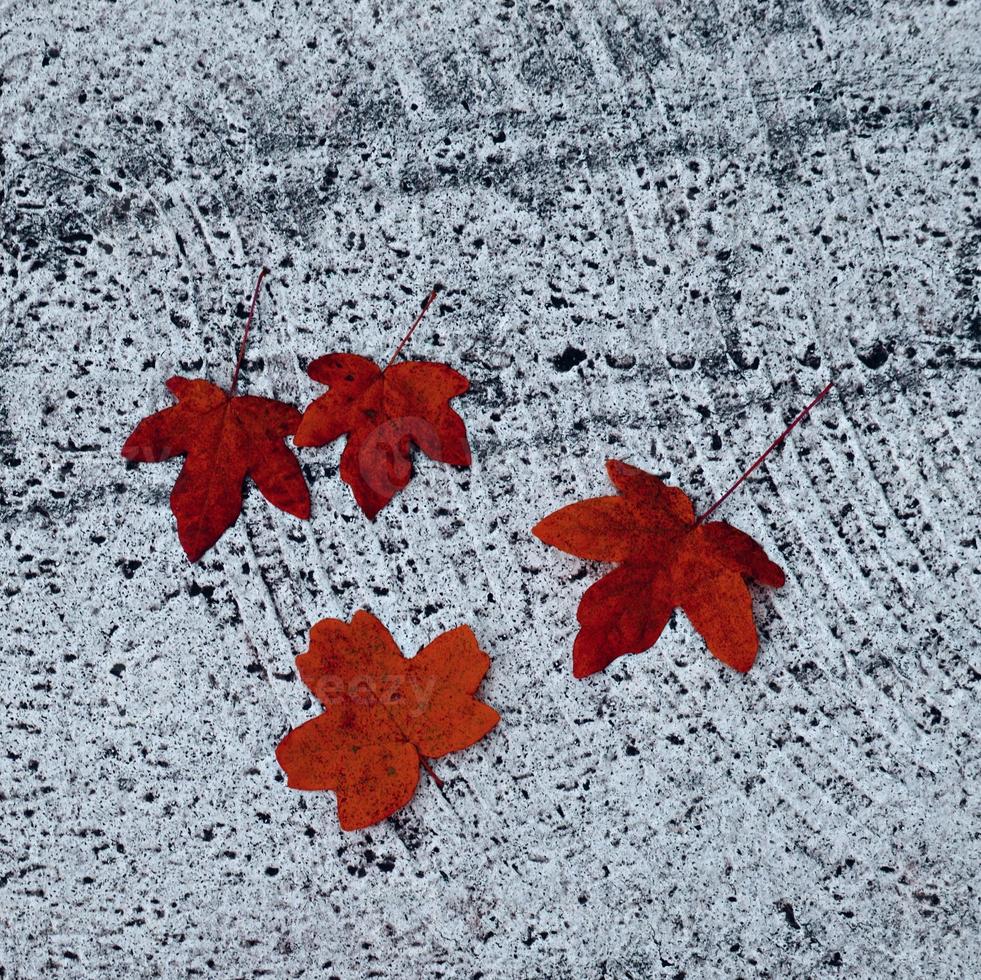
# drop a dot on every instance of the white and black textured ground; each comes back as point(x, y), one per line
point(661, 228)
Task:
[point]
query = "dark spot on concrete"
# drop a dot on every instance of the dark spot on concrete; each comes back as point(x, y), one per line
point(875, 356)
point(788, 913)
point(569, 358)
point(623, 363)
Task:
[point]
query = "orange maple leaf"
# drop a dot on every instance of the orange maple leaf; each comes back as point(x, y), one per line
point(667, 559)
point(385, 715)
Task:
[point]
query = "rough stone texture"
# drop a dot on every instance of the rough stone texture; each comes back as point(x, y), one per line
point(661, 228)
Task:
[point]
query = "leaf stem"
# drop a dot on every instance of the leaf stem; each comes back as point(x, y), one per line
point(415, 323)
point(773, 445)
point(248, 326)
point(429, 768)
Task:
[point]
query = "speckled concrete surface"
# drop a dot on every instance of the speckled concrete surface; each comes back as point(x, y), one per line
point(661, 228)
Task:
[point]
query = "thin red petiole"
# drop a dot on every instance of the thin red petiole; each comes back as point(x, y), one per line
point(415, 323)
point(248, 326)
point(429, 769)
point(773, 445)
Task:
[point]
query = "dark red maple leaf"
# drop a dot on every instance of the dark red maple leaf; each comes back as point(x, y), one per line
point(384, 413)
point(226, 437)
point(385, 714)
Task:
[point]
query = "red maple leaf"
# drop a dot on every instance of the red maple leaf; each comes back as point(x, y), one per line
point(385, 412)
point(667, 559)
point(385, 715)
point(225, 438)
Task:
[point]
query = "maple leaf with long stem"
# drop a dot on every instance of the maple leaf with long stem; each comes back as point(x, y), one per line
point(385, 412)
point(225, 437)
point(667, 558)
